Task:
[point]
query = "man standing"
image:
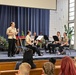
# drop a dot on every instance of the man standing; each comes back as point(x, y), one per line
point(11, 32)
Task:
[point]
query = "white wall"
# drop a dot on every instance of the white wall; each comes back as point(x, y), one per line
point(46, 4)
point(59, 17)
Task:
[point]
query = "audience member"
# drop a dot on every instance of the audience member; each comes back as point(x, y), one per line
point(67, 66)
point(75, 61)
point(27, 57)
point(52, 60)
point(48, 68)
point(24, 69)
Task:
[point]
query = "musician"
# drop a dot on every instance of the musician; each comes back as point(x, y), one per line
point(35, 36)
point(52, 46)
point(29, 44)
point(11, 32)
point(35, 40)
point(64, 43)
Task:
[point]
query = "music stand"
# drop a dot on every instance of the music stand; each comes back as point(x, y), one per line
point(39, 37)
point(55, 38)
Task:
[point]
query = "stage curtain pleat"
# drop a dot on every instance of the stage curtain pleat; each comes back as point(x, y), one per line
point(33, 19)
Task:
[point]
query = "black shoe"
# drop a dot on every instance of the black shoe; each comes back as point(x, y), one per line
point(50, 52)
point(9, 56)
point(17, 52)
point(53, 52)
point(12, 55)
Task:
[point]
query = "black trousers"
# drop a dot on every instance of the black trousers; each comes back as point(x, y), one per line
point(52, 47)
point(35, 49)
point(28, 57)
point(62, 47)
point(11, 48)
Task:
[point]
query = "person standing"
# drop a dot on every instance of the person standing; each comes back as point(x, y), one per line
point(11, 32)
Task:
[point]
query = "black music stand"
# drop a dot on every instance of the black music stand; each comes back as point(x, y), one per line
point(55, 38)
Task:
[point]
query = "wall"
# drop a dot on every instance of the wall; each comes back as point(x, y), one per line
point(59, 17)
point(46, 4)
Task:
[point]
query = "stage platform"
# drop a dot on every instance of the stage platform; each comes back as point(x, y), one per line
point(18, 57)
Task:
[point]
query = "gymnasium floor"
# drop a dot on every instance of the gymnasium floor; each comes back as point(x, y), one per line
point(18, 57)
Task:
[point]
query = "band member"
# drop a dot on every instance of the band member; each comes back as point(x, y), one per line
point(64, 43)
point(52, 46)
point(35, 40)
point(29, 44)
point(11, 32)
point(35, 36)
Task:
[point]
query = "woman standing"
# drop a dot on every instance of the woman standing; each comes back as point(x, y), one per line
point(11, 32)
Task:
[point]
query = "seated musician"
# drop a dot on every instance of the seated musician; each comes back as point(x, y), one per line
point(52, 46)
point(29, 44)
point(64, 43)
point(35, 37)
point(38, 40)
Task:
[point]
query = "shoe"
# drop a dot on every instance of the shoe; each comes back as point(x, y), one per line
point(17, 52)
point(9, 56)
point(53, 52)
point(58, 53)
point(41, 54)
point(12, 55)
point(63, 53)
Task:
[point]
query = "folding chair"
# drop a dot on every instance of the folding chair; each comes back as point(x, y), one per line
point(68, 47)
point(21, 47)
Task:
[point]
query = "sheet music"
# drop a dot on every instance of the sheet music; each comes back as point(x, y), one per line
point(40, 37)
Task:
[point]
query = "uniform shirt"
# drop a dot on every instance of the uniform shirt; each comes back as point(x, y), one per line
point(65, 39)
point(11, 30)
point(59, 37)
point(28, 39)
